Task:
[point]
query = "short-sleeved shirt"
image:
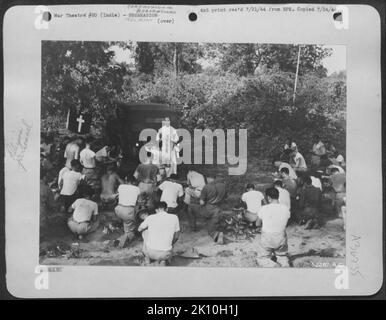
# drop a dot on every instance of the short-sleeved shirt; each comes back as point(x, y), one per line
point(300, 163)
point(87, 158)
point(213, 193)
point(128, 195)
point(253, 200)
point(71, 153)
point(196, 180)
point(61, 173)
point(284, 197)
point(170, 193)
point(161, 228)
point(274, 217)
point(71, 181)
point(147, 173)
point(84, 209)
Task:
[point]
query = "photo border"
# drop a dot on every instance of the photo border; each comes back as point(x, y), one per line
point(360, 287)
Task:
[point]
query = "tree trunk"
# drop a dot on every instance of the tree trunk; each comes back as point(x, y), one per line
point(176, 58)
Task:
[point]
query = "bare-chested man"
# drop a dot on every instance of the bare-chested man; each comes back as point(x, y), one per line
point(110, 182)
point(72, 151)
point(147, 175)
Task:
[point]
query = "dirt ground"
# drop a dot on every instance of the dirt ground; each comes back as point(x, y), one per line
point(318, 248)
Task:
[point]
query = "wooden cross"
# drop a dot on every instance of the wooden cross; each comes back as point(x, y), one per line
point(80, 121)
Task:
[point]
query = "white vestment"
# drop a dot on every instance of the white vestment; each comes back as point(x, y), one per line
point(169, 137)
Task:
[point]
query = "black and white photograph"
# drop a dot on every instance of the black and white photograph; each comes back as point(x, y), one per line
point(193, 154)
point(170, 151)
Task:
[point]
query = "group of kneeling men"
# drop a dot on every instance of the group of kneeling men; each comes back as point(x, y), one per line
point(149, 204)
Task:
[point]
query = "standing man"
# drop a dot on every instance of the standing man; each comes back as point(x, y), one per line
point(72, 151)
point(211, 197)
point(87, 159)
point(318, 150)
point(171, 192)
point(169, 138)
point(160, 231)
point(126, 210)
point(273, 241)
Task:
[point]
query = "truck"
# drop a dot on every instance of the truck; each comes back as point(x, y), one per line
point(131, 118)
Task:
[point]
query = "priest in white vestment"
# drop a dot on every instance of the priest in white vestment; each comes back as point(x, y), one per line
point(169, 151)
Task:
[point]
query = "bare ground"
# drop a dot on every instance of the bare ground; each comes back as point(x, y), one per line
point(319, 248)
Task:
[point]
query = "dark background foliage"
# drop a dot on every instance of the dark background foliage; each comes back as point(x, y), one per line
point(242, 86)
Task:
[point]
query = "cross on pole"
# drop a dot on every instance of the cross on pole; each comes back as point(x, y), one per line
point(80, 121)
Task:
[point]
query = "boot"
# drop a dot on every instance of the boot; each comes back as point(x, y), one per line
point(122, 241)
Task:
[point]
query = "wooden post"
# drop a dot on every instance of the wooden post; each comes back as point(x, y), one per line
point(296, 75)
point(176, 58)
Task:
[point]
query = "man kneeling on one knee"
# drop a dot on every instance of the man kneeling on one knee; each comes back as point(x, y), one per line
point(85, 217)
point(126, 210)
point(210, 199)
point(253, 200)
point(160, 231)
point(274, 218)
